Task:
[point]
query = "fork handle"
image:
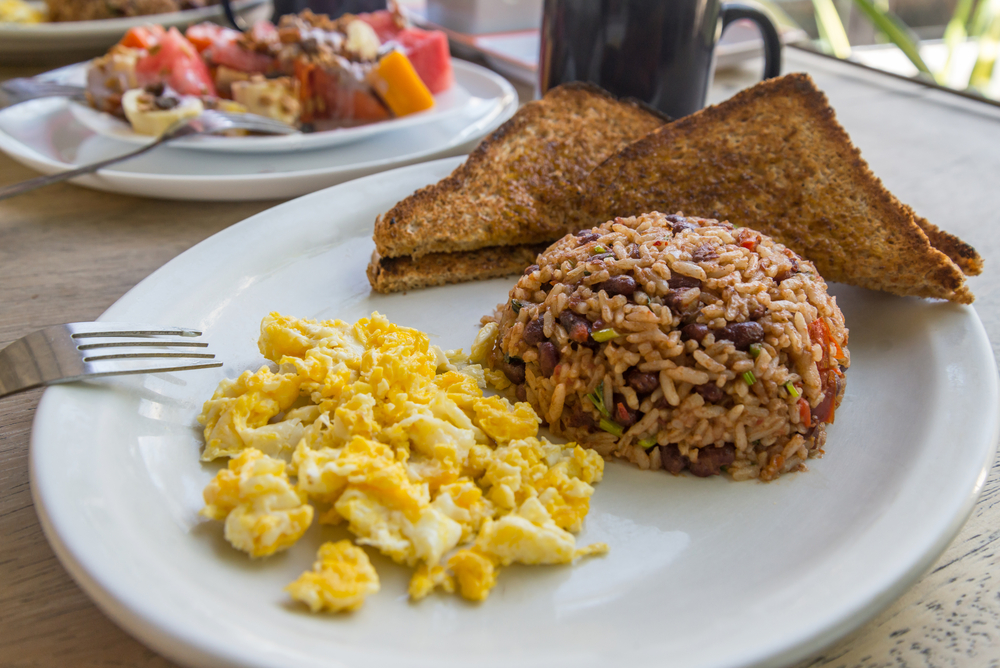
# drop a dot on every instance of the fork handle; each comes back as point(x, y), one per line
point(41, 181)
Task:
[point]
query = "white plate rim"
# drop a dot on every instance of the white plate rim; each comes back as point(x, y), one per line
point(113, 180)
point(116, 26)
point(145, 622)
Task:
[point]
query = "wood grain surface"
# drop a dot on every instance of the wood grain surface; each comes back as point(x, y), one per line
point(67, 253)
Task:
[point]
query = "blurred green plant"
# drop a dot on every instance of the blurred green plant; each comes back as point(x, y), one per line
point(972, 20)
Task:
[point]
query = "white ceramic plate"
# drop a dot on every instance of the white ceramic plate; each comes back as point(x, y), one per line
point(700, 573)
point(31, 43)
point(450, 104)
point(44, 135)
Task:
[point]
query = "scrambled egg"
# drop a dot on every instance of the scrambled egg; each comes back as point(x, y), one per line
point(341, 578)
point(388, 434)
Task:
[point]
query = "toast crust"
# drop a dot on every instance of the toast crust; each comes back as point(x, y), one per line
point(399, 274)
point(774, 158)
point(518, 184)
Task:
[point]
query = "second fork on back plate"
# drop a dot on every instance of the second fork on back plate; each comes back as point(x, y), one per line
point(209, 122)
point(81, 350)
point(16, 91)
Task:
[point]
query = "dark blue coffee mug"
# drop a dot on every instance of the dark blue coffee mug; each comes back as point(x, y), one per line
point(657, 51)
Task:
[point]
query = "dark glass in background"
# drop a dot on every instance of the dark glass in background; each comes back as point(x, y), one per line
point(657, 51)
point(332, 8)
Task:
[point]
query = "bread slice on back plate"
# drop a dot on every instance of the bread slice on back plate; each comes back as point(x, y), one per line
point(774, 158)
point(397, 274)
point(516, 187)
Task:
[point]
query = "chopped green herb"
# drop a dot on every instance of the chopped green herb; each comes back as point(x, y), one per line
point(586, 273)
point(598, 248)
point(755, 349)
point(597, 398)
point(517, 305)
point(606, 334)
point(611, 427)
point(647, 443)
point(792, 390)
point(749, 377)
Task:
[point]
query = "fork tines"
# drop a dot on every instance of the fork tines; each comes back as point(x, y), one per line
point(80, 350)
point(148, 352)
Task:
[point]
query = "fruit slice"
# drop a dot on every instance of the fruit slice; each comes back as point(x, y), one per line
point(174, 61)
point(399, 86)
point(428, 51)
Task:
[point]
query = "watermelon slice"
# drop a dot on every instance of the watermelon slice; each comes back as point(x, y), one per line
point(428, 51)
point(383, 23)
point(174, 61)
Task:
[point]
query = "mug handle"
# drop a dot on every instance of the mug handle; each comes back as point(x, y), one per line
point(733, 11)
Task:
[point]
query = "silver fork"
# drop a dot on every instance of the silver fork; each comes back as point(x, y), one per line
point(78, 350)
point(16, 91)
point(207, 123)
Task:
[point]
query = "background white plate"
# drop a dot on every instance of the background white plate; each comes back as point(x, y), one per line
point(36, 43)
point(452, 103)
point(700, 573)
point(44, 135)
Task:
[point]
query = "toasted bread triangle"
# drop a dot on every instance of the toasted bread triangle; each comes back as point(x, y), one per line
point(517, 186)
point(774, 158)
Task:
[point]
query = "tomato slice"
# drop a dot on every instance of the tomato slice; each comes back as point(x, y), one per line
point(142, 37)
point(175, 62)
point(204, 35)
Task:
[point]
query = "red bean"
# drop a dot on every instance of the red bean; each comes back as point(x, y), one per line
point(625, 416)
point(577, 327)
point(711, 460)
point(695, 331)
point(711, 392)
point(679, 281)
point(676, 300)
point(704, 253)
point(580, 418)
point(671, 458)
point(679, 223)
point(513, 368)
point(640, 381)
point(617, 285)
point(548, 358)
point(742, 334)
point(521, 392)
point(534, 332)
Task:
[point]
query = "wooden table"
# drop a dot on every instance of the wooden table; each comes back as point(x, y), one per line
point(67, 253)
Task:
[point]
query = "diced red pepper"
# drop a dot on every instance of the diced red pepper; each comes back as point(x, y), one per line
point(805, 415)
